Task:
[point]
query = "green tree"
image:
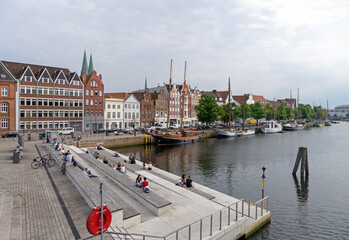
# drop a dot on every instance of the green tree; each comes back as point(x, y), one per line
point(257, 111)
point(269, 112)
point(224, 112)
point(208, 109)
point(281, 113)
point(306, 111)
point(247, 110)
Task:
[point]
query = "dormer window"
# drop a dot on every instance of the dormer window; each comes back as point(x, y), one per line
point(28, 79)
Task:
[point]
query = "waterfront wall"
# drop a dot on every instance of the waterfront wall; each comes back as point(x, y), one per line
point(127, 141)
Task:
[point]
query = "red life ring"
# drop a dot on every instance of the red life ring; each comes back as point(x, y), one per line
point(93, 223)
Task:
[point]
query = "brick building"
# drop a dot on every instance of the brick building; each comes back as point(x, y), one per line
point(147, 108)
point(8, 91)
point(160, 105)
point(48, 97)
point(94, 96)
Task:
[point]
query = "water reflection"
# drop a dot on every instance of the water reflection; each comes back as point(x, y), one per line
point(303, 189)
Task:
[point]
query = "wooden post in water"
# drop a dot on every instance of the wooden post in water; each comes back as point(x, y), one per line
point(302, 155)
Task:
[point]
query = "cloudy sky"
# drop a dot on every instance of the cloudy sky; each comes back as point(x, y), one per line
point(267, 47)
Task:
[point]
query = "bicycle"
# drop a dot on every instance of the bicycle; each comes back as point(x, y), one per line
point(43, 161)
point(64, 168)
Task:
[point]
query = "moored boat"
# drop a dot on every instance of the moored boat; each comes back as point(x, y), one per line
point(318, 124)
point(222, 133)
point(293, 126)
point(272, 127)
point(246, 132)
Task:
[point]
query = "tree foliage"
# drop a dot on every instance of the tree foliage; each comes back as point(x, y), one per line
point(257, 111)
point(207, 109)
point(224, 112)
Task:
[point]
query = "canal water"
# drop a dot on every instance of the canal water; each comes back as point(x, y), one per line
point(313, 208)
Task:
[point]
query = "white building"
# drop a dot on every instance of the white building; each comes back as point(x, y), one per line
point(131, 112)
point(341, 111)
point(114, 110)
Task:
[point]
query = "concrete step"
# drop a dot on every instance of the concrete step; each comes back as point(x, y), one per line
point(16, 220)
point(6, 216)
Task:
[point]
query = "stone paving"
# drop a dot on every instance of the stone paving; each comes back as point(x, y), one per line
point(43, 217)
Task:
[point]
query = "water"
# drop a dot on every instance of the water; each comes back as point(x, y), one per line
point(317, 208)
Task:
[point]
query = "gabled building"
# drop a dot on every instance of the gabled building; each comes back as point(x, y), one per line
point(160, 105)
point(94, 96)
point(114, 110)
point(221, 97)
point(249, 98)
point(8, 92)
point(147, 108)
point(132, 111)
point(47, 97)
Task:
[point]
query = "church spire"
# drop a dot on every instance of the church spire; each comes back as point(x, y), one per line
point(84, 69)
point(90, 66)
point(145, 84)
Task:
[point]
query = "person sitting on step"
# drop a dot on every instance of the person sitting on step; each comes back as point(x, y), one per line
point(139, 181)
point(150, 165)
point(105, 160)
point(99, 147)
point(189, 182)
point(145, 185)
point(88, 173)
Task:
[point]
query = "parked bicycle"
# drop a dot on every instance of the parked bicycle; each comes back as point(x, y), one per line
point(43, 161)
point(64, 168)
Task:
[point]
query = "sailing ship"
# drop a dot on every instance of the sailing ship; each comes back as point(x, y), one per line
point(224, 133)
point(176, 137)
point(293, 125)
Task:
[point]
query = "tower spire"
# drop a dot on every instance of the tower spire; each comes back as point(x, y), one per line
point(90, 65)
point(145, 83)
point(84, 68)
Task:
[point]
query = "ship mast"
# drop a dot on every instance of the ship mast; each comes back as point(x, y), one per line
point(169, 98)
point(182, 113)
point(229, 107)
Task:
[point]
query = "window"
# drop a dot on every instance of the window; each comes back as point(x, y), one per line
point(91, 93)
point(87, 112)
point(87, 92)
point(125, 105)
point(4, 107)
point(96, 102)
point(96, 93)
point(125, 115)
point(96, 112)
point(118, 106)
point(100, 93)
point(118, 114)
point(4, 123)
point(100, 103)
point(108, 114)
point(4, 92)
point(137, 114)
point(100, 113)
point(87, 102)
point(91, 102)
point(133, 106)
point(129, 115)
point(114, 115)
point(108, 106)
point(113, 106)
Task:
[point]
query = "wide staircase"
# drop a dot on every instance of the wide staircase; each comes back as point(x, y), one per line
point(10, 216)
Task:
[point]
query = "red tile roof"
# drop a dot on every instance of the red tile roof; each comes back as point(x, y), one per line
point(118, 95)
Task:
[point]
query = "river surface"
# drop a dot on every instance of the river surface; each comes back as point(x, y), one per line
point(313, 208)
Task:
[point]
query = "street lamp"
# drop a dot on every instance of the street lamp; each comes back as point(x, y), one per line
point(263, 177)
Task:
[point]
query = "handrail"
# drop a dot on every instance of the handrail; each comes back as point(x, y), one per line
point(263, 199)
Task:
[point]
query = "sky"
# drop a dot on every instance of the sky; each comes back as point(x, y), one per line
point(266, 47)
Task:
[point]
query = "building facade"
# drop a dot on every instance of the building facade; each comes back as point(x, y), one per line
point(114, 110)
point(160, 104)
point(146, 108)
point(94, 97)
point(8, 92)
point(132, 112)
point(48, 97)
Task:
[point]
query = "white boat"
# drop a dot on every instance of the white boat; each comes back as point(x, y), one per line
point(272, 127)
point(293, 126)
point(222, 133)
point(246, 132)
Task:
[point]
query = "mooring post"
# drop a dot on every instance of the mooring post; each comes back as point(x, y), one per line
point(306, 162)
point(302, 155)
point(296, 164)
point(303, 162)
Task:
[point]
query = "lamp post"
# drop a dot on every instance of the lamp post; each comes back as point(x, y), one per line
point(263, 177)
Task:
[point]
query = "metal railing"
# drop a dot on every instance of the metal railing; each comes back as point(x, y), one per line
point(210, 224)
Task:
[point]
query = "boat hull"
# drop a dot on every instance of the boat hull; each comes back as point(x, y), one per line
point(168, 140)
point(246, 133)
point(293, 128)
point(225, 134)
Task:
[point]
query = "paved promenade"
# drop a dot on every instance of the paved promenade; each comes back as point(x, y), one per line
point(42, 213)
